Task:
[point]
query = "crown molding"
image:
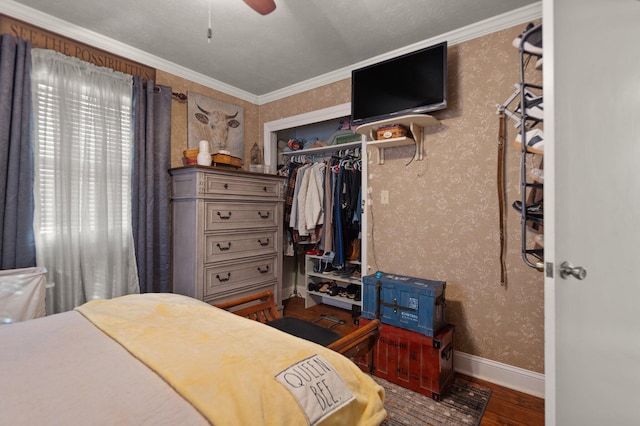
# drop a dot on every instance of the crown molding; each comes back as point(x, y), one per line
point(479, 29)
point(84, 35)
point(50, 23)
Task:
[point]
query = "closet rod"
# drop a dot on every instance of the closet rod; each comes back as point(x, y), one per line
point(324, 149)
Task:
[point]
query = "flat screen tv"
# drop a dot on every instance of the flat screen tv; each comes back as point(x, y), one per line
point(414, 83)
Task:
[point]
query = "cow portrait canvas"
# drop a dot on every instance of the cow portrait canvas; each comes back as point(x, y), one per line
point(219, 123)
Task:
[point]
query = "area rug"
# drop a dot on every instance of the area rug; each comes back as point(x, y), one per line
point(462, 404)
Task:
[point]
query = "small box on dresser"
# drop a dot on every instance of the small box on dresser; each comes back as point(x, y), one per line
point(227, 230)
point(412, 360)
point(415, 304)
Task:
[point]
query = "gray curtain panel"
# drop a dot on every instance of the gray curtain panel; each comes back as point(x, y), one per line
point(17, 246)
point(151, 185)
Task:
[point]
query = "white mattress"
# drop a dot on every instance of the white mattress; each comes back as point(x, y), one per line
point(113, 388)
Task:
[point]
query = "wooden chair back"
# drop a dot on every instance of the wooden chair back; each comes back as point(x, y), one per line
point(261, 307)
point(258, 307)
point(359, 342)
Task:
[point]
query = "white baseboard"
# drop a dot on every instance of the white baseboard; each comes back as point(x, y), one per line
point(511, 377)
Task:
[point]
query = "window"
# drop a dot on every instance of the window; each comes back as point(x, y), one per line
point(82, 185)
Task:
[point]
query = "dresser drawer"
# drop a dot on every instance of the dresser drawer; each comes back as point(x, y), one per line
point(221, 216)
point(234, 245)
point(243, 186)
point(227, 231)
point(230, 276)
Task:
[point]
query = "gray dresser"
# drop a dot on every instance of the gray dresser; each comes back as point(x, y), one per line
point(227, 233)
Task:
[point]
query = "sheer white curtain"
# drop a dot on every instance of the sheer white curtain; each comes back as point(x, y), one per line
point(82, 182)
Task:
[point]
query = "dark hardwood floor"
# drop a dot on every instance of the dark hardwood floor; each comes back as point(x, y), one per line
point(506, 406)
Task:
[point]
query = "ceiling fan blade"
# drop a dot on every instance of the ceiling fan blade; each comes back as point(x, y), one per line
point(263, 7)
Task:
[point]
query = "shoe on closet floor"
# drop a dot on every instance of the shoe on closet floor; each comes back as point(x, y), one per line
point(535, 226)
point(533, 106)
point(314, 286)
point(535, 141)
point(323, 267)
point(327, 286)
point(535, 210)
point(333, 290)
point(348, 271)
point(533, 43)
point(352, 289)
point(538, 175)
point(358, 295)
point(328, 256)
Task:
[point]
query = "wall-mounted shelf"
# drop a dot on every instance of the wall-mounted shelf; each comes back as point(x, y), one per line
point(415, 122)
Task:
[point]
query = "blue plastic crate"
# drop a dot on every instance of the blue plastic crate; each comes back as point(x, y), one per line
point(411, 303)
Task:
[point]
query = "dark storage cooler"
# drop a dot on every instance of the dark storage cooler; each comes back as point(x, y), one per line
point(411, 303)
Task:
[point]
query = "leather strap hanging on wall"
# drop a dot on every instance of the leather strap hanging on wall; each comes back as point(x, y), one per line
point(501, 200)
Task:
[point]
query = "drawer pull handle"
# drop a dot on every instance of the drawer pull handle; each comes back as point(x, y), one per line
point(224, 248)
point(264, 215)
point(263, 243)
point(264, 189)
point(226, 186)
point(224, 217)
point(224, 279)
point(263, 270)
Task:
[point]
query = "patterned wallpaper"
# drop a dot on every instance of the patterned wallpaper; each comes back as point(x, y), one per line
point(441, 222)
point(311, 100)
point(442, 218)
point(179, 115)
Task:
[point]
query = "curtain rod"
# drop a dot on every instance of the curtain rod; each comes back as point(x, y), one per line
point(176, 95)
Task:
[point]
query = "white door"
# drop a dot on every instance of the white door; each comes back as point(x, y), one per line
point(592, 218)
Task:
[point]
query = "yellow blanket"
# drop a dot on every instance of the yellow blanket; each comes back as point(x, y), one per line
point(226, 366)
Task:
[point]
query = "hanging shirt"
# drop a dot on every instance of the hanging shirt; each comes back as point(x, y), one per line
point(293, 220)
point(313, 204)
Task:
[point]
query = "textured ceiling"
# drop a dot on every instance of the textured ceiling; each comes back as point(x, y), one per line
point(300, 40)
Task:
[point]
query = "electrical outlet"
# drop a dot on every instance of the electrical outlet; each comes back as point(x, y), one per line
point(384, 197)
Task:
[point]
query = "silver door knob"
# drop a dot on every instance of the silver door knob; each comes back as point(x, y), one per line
point(567, 269)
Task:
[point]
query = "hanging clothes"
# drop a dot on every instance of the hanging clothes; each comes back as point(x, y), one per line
point(314, 209)
point(326, 244)
point(293, 220)
point(310, 199)
point(322, 206)
point(346, 202)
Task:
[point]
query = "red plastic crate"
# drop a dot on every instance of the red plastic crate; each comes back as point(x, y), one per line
point(412, 360)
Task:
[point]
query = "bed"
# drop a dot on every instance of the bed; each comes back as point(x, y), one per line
point(170, 359)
